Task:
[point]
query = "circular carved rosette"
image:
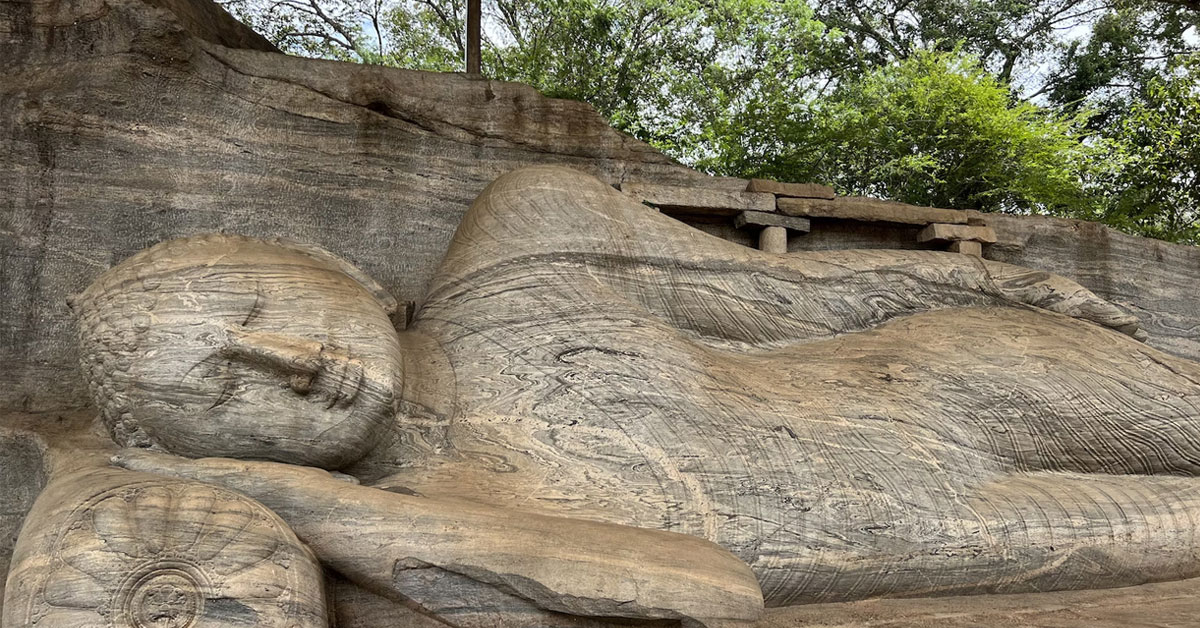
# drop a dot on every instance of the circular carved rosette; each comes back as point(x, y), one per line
point(163, 595)
point(166, 554)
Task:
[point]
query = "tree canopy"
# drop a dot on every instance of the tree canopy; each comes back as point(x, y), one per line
point(1083, 108)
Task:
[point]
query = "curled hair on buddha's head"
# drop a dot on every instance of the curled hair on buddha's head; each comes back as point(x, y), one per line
point(222, 345)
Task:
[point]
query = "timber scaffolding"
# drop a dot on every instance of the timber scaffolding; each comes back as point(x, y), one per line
point(778, 210)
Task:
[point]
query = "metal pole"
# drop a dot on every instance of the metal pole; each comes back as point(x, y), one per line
point(473, 50)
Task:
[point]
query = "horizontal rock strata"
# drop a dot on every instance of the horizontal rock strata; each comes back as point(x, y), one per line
point(939, 232)
point(679, 198)
point(798, 190)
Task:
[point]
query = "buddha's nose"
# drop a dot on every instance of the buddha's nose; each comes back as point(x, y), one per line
point(289, 354)
point(306, 363)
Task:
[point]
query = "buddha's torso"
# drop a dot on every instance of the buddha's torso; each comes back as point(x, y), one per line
point(571, 400)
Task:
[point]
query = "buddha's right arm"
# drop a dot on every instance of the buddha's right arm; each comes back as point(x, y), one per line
point(539, 225)
point(565, 565)
point(757, 301)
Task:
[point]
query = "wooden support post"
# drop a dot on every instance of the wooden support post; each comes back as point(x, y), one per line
point(474, 64)
point(773, 240)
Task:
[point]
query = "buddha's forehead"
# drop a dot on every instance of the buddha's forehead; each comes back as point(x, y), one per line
point(215, 270)
point(223, 259)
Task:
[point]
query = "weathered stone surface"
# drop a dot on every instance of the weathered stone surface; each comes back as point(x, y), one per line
point(699, 199)
point(1154, 280)
point(570, 566)
point(186, 346)
point(233, 295)
point(209, 22)
point(123, 124)
point(976, 218)
point(800, 190)
point(849, 424)
point(1157, 605)
point(120, 127)
point(940, 232)
point(23, 474)
point(764, 219)
point(446, 598)
point(869, 210)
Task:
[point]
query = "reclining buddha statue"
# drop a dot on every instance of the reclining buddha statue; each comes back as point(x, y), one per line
point(599, 414)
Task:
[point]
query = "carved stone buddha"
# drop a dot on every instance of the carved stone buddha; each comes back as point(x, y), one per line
point(598, 412)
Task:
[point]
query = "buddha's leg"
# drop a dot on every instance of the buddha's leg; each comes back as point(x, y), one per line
point(1056, 531)
point(928, 428)
point(1044, 392)
point(1023, 533)
point(1027, 390)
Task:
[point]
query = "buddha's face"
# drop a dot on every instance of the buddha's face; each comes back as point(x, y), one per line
point(227, 346)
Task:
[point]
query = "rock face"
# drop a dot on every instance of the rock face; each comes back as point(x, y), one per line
point(583, 374)
point(124, 123)
point(1155, 281)
point(23, 475)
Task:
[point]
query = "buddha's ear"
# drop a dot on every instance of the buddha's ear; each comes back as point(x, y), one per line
point(73, 303)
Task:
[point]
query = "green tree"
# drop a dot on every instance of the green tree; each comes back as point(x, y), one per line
point(664, 70)
point(1066, 49)
point(1152, 185)
point(659, 69)
point(1004, 105)
point(1004, 35)
point(931, 129)
point(1132, 43)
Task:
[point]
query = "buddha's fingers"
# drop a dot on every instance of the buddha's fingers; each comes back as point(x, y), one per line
point(566, 565)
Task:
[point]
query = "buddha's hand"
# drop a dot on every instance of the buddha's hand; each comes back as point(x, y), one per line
point(247, 476)
point(1059, 294)
point(876, 285)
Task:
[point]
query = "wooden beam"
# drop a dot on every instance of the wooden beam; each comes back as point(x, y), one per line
point(798, 190)
point(474, 63)
point(948, 233)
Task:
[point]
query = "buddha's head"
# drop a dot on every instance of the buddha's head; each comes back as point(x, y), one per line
point(230, 346)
